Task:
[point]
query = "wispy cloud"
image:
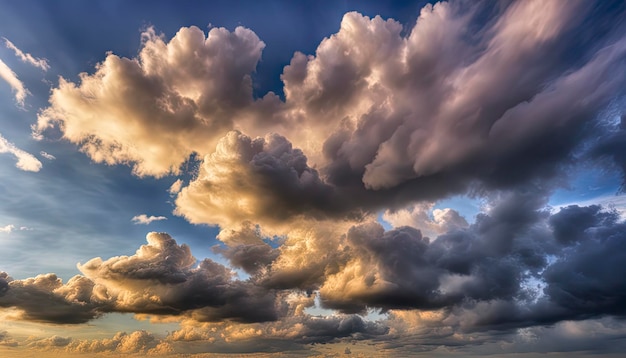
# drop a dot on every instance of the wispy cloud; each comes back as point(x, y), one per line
point(25, 160)
point(41, 63)
point(144, 219)
point(10, 228)
point(7, 228)
point(47, 155)
point(11, 78)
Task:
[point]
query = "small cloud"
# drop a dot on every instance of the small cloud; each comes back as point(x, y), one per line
point(10, 228)
point(7, 229)
point(41, 63)
point(11, 78)
point(143, 219)
point(176, 186)
point(47, 155)
point(25, 161)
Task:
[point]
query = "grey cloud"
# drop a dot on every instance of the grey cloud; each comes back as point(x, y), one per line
point(251, 258)
point(446, 118)
point(161, 278)
point(613, 146)
point(6, 340)
point(46, 299)
point(271, 179)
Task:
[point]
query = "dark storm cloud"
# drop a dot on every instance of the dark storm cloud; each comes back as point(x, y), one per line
point(613, 146)
point(492, 268)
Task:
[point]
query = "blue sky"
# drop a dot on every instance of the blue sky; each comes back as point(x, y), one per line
point(401, 168)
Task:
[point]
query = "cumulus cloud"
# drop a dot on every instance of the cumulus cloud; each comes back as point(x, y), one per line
point(7, 74)
point(41, 63)
point(176, 98)
point(383, 133)
point(46, 299)
point(272, 180)
point(161, 278)
point(493, 274)
point(25, 161)
point(164, 278)
point(122, 343)
point(145, 219)
point(431, 222)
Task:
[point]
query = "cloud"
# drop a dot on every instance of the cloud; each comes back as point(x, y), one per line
point(271, 178)
point(11, 78)
point(47, 155)
point(51, 342)
point(41, 63)
point(492, 275)
point(122, 343)
point(10, 228)
point(46, 299)
point(431, 222)
point(178, 98)
point(472, 99)
point(145, 220)
point(176, 187)
point(7, 229)
point(383, 119)
point(163, 278)
point(6, 340)
point(25, 161)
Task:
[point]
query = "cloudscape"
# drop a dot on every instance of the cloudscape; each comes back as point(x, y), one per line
point(314, 178)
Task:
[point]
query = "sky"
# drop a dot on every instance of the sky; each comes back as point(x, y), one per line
point(312, 178)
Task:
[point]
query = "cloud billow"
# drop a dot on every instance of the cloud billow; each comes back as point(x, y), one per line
point(379, 121)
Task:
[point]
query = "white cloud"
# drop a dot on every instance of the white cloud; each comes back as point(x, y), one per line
point(11, 78)
point(7, 228)
point(145, 220)
point(175, 187)
point(431, 222)
point(25, 161)
point(47, 155)
point(154, 111)
point(41, 63)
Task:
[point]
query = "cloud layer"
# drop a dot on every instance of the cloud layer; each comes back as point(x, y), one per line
point(496, 102)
